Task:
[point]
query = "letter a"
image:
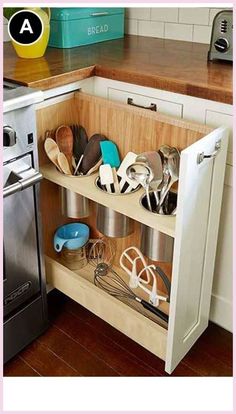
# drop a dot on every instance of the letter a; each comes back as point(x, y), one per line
point(26, 27)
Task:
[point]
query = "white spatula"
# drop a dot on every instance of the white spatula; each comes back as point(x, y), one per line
point(121, 172)
point(106, 176)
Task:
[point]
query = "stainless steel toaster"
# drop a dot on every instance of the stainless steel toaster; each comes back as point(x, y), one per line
point(221, 46)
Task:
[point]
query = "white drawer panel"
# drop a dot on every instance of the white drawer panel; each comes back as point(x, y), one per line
point(165, 107)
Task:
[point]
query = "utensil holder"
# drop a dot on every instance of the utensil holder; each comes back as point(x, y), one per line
point(170, 206)
point(74, 205)
point(156, 245)
point(113, 224)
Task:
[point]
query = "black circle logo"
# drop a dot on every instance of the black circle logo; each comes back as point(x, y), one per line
point(25, 27)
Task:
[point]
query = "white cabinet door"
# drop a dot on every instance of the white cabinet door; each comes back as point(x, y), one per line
point(163, 106)
point(198, 214)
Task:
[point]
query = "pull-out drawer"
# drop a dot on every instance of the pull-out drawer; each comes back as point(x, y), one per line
point(195, 228)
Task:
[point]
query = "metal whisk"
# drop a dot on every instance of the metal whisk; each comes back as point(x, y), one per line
point(103, 250)
point(110, 281)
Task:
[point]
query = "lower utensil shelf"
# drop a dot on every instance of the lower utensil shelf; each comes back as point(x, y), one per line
point(132, 320)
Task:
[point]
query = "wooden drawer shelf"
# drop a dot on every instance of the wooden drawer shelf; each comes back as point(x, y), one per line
point(128, 205)
point(79, 286)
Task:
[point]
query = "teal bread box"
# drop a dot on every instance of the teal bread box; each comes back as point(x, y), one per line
point(77, 26)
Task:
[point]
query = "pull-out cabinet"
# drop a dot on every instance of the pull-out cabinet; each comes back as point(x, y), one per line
point(195, 228)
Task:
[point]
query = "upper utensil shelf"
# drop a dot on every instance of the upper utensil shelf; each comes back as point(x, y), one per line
point(128, 205)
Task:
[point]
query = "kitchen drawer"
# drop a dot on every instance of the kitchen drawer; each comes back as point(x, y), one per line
point(164, 107)
point(194, 229)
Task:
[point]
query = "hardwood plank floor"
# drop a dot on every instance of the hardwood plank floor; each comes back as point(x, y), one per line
point(79, 343)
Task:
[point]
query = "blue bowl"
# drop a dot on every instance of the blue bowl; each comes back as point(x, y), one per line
point(72, 236)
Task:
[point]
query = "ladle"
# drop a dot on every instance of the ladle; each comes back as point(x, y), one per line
point(142, 174)
point(173, 167)
point(153, 160)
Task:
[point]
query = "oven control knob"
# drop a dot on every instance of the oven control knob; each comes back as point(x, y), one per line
point(9, 136)
point(221, 45)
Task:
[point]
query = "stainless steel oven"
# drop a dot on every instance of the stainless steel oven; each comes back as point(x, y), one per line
point(24, 300)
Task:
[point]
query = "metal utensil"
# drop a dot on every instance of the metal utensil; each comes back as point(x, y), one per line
point(153, 160)
point(111, 282)
point(103, 251)
point(78, 165)
point(164, 152)
point(173, 167)
point(142, 174)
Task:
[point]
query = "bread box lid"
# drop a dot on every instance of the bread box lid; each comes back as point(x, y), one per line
point(76, 13)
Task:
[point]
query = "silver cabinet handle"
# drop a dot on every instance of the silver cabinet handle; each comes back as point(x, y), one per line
point(22, 184)
point(201, 156)
point(99, 14)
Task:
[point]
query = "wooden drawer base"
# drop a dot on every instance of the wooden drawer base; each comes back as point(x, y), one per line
point(127, 320)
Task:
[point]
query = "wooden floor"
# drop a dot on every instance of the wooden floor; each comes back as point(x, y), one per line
point(80, 344)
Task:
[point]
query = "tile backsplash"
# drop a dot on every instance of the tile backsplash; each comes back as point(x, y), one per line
point(192, 24)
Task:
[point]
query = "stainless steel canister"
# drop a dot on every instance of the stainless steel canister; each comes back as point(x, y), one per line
point(156, 245)
point(113, 224)
point(73, 205)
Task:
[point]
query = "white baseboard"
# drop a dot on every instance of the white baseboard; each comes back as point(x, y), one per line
point(221, 312)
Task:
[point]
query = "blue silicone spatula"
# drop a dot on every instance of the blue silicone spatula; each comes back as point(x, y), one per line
point(110, 154)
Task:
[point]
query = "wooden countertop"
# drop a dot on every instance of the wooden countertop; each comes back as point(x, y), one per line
point(174, 66)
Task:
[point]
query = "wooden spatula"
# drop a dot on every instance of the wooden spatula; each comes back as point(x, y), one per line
point(64, 139)
point(95, 167)
point(63, 163)
point(92, 153)
point(52, 151)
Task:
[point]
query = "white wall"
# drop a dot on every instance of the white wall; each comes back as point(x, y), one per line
point(189, 24)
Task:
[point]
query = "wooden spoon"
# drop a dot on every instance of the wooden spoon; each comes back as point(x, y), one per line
point(63, 163)
point(64, 139)
point(52, 151)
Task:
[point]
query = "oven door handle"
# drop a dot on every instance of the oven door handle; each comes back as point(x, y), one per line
point(22, 184)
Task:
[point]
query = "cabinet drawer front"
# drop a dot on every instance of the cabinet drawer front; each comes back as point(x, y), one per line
point(199, 204)
point(165, 107)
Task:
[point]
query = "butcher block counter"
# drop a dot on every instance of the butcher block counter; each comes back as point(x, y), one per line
point(173, 66)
